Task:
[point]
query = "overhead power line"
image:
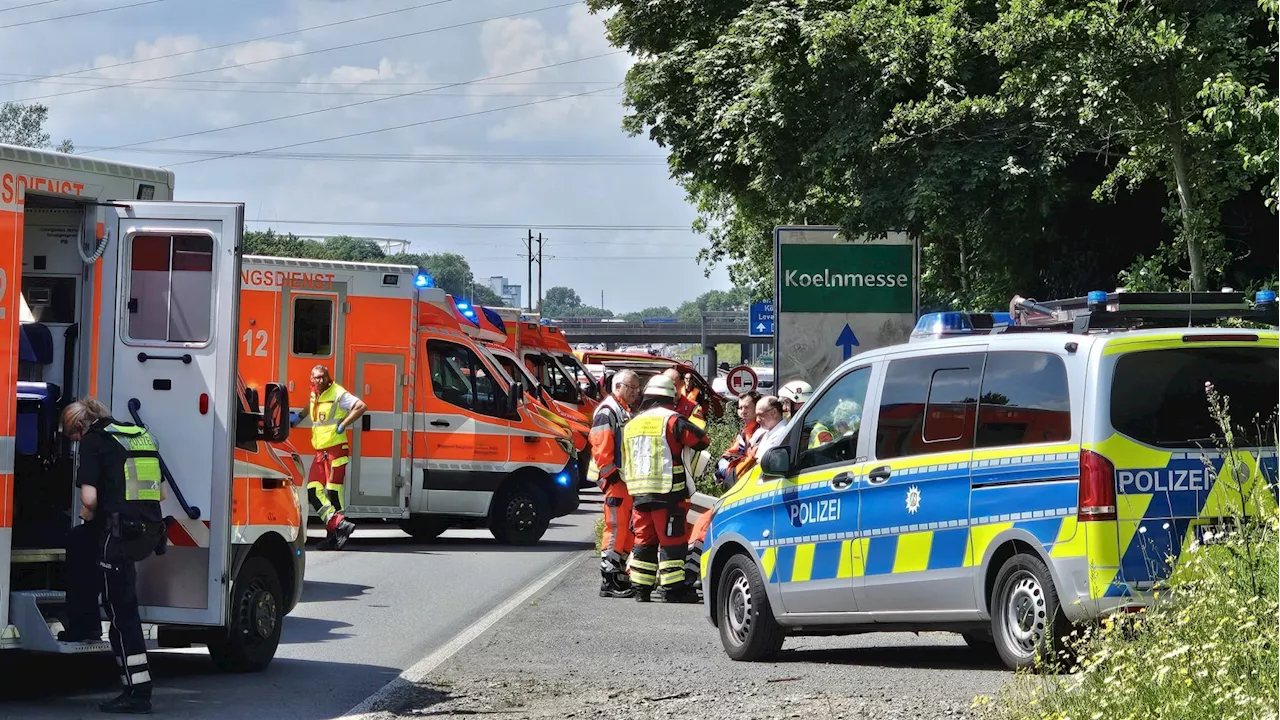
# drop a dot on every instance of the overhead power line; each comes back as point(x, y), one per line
point(75, 15)
point(476, 225)
point(224, 45)
point(404, 126)
point(318, 111)
point(360, 83)
point(305, 53)
point(29, 5)
point(330, 93)
point(456, 159)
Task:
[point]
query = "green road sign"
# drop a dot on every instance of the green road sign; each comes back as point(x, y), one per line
point(846, 277)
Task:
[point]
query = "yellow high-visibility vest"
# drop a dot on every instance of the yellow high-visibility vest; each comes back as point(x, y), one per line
point(326, 414)
point(142, 467)
point(648, 467)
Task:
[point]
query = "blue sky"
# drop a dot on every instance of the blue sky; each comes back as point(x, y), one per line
point(628, 188)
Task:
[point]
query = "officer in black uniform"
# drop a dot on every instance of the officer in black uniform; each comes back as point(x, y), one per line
point(121, 487)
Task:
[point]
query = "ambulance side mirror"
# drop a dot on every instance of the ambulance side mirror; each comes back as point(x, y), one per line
point(275, 413)
point(776, 462)
point(514, 395)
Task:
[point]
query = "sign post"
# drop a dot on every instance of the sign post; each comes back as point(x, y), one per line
point(835, 298)
point(761, 319)
point(741, 380)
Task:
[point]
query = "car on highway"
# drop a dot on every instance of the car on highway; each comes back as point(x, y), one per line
point(1003, 486)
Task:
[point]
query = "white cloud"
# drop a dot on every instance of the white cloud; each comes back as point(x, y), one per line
point(276, 85)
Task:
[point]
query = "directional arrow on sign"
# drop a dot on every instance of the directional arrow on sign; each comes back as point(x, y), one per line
point(760, 327)
point(847, 341)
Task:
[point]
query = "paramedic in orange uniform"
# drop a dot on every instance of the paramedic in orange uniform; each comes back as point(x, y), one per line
point(687, 401)
point(333, 411)
point(606, 453)
point(653, 450)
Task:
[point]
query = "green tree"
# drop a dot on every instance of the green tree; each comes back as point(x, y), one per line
point(23, 124)
point(661, 311)
point(560, 301)
point(712, 301)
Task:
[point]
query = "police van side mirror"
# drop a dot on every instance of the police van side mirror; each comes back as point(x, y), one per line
point(275, 413)
point(776, 462)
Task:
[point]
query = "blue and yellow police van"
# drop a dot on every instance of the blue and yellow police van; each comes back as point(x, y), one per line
point(1005, 486)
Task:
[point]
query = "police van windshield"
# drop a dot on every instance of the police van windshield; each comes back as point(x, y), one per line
point(1158, 396)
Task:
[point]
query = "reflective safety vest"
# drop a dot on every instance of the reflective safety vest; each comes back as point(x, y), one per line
point(326, 414)
point(648, 466)
point(815, 436)
point(611, 406)
point(142, 475)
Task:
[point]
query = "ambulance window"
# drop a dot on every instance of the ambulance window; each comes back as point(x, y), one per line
point(928, 405)
point(1025, 399)
point(313, 326)
point(831, 423)
point(459, 378)
point(170, 288)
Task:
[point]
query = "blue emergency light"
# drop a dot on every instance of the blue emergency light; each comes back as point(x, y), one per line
point(1096, 297)
point(423, 280)
point(563, 479)
point(1264, 298)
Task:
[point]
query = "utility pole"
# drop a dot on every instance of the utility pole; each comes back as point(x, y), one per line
point(528, 246)
point(539, 272)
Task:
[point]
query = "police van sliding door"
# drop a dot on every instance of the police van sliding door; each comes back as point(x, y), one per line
point(173, 363)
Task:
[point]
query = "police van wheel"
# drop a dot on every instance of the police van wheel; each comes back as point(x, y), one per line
point(748, 630)
point(1027, 623)
point(520, 514)
point(255, 617)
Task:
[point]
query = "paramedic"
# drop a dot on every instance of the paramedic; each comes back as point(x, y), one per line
point(121, 487)
point(606, 453)
point(687, 402)
point(653, 448)
point(333, 410)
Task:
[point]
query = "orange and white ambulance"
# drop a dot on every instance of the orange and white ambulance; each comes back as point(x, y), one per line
point(449, 439)
point(110, 289)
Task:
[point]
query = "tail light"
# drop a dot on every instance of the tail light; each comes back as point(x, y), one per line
point(1097, 488)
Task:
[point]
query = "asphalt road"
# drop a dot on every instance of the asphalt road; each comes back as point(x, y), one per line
point(621, 659)
point(367, 613)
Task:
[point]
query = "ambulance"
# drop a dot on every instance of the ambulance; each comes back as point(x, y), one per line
point(449, 438)
point(489, 328)
point(112, 290)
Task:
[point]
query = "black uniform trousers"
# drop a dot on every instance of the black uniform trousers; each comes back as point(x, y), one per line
point(94, 567)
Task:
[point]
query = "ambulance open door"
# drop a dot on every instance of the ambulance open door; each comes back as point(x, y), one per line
point(170, 363)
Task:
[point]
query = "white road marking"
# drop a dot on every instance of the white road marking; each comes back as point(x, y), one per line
point(420, 670)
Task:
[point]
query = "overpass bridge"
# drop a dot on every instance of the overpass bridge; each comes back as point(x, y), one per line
point(713, 328)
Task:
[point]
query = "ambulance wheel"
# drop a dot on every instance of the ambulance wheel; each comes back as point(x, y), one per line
point(1027, 623)
point(748, 629)
point(255, 618)
point(424, 528)
point(520, 514)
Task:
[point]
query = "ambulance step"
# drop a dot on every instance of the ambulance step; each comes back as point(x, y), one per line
point(40, 633)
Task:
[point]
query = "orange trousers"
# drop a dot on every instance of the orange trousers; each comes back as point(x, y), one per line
point(693, 559)
point(662, 541)
point(618, 538)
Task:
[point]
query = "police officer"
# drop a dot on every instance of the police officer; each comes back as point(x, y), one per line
point(121, 487)
point(333, 411)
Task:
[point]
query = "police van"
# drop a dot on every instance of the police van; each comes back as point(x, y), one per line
point(1003, 486)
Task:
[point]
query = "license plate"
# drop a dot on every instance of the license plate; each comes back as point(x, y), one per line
point(1214, 533)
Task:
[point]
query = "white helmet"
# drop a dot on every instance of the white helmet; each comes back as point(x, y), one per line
point(660, 386)
point(797, 391)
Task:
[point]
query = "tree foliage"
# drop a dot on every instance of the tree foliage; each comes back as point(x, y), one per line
point(562, 302)
point(23, 124)
point(993, 132)
point(450, 271)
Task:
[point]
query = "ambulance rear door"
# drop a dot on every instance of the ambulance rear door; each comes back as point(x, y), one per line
point(172, 365)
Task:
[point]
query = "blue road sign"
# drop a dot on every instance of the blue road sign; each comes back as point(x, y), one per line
point(847, 341)
point(761, 317)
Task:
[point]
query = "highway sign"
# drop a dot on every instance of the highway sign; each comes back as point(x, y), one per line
point(761, 319)
point(741, 380)
point(834, 298)
point(701, 363)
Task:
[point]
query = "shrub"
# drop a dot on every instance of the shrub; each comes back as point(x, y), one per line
point(1207, 645)
point(722, 431)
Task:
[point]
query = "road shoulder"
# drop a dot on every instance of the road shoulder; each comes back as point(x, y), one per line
point(567, 653)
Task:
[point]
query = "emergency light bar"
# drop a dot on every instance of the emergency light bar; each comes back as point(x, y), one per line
point(1101, 310)
point(423, 280)
point(932, 326)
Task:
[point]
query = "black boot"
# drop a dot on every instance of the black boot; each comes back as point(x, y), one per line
point(679, 594)
point(128, 704)
point(343, 533)
point(642, 594)
point(616, 585)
